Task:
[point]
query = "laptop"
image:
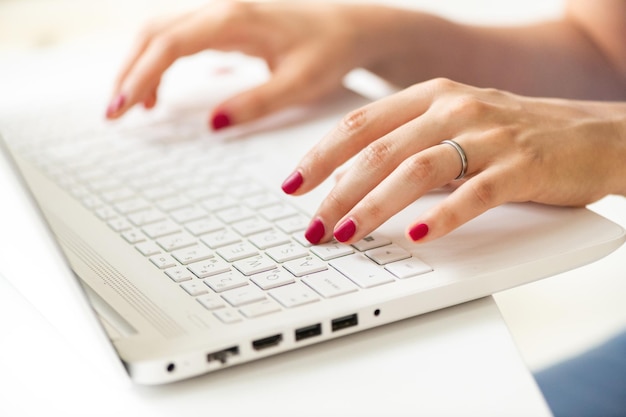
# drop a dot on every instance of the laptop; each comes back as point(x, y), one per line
point(186, 256)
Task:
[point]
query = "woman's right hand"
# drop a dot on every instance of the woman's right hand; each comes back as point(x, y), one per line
point(308, 47)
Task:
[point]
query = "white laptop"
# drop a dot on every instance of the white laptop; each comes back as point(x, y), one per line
point(192, 258)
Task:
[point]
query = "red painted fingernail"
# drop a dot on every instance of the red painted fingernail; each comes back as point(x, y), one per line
point(315, 232)
point(292, 183)
point(220, 121)
point(418, 232)
point(115, 105)
point(345, 230)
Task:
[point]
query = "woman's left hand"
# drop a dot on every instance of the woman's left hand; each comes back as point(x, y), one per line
point(518, 149)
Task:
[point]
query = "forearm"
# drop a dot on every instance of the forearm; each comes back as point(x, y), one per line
point(617, 112)
point(546, 59)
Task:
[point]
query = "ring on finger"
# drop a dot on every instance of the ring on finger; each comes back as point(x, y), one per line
point(461, 154)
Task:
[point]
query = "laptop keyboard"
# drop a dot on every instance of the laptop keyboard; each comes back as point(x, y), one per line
point(215, 232)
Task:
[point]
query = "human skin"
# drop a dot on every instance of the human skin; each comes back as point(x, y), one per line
point(553, 151)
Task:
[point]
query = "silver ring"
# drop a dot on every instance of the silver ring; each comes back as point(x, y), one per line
point(461, 154)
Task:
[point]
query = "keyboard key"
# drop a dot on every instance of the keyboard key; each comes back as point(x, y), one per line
point(245, 189)
point(362, 271)
point(188, 214)
point(191, 254)
point(208, 267)
point(119, 224)
point(203, 192)
point(160, 229)
point(305, 266)
point(332, 250)
point(148, 248)
point(227, 316)
point(220, 238)
point(387, 254)
point(219, 202)
point(254, 265)
point(234, 214)
point(173, 203)
point(251, 226)
point(158, 192)
point(194, 288)
point(299, 237)
point(268, 239)
point(226, 281)
point(278, 211)
point(211, 302)
point(176, 241)
point(179, 274)
point(408, 268)
point(144, 217)
point(329, 283)
point(163, 261)
point(260, 309)
point(92, 202)
point(113, 196)
point(237, 251)
point(106, 213)
point(375, 240)
point(293, 224)
point(287, 252)
point(204, 225)
point(260, 200)
point(294, 295)
point(132, 205)
point(272, 279)
point(243, 295)
point(133, 236)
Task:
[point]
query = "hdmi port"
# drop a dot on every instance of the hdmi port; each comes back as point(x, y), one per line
point(267, 342)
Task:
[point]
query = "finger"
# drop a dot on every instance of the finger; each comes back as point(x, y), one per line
point(150, 99)
point(118, 100)
point(357, 130)
point(300, 78)
point(185, 35)
point(414, 177)
point(474, 197)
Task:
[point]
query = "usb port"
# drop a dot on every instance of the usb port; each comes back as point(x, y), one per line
point(308, 331)
point(345, 322)
point(223, 355)
point(267, 342)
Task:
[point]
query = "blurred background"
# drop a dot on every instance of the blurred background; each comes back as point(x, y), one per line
point(550, 320)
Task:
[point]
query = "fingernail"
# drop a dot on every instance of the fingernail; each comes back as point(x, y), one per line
point(345, 230)
point(418, 232)
point(220, 121)
point(116, 104)
point(315, 232)
point(292, 183)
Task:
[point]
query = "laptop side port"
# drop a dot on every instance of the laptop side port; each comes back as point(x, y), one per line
point(344, 322)
point(308, 331)
point(223, 355)
point(267, 342)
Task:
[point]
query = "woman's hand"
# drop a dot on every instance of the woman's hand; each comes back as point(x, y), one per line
point(308, 47)
point(518, 149)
